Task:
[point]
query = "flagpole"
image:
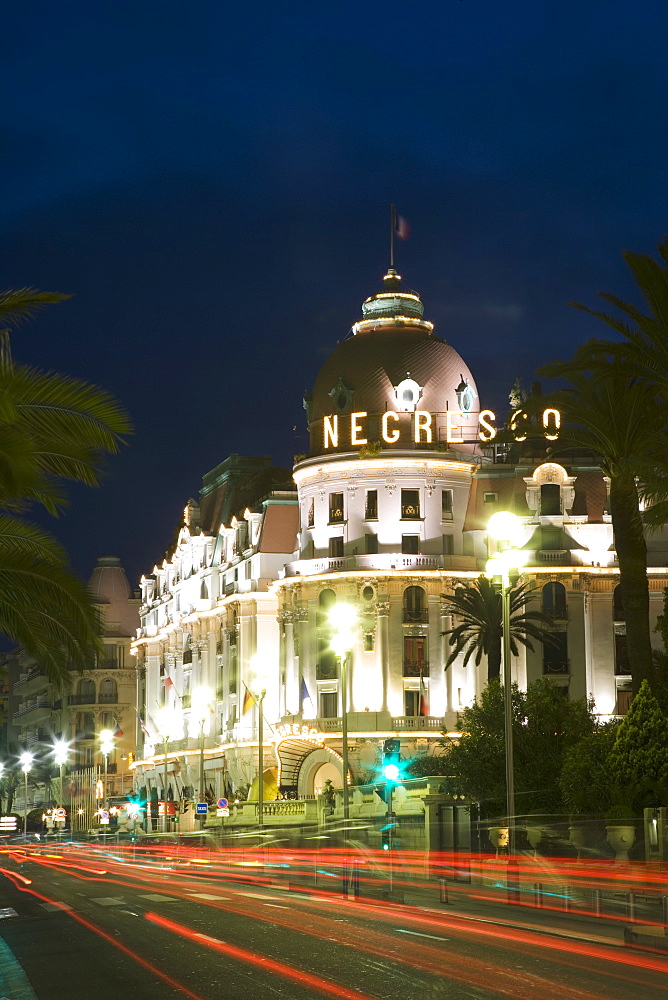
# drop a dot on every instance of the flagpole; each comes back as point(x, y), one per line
point(392, 228)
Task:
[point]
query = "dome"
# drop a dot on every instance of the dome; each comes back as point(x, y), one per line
point(394, 362)
point(110, 588)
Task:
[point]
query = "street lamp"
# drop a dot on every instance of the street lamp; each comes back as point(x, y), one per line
point(60, 752)
point(26, 759)
point(168, 722)
point(106, 738)
point(504, 568)
point(201, 709)
point(344, 618)
point(259, 690)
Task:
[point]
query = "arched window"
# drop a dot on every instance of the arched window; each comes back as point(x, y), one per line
point(86, 691)
point(550, 498)
point(326, 662)
point(554, 600)
point(108, 691)
point(204, 591)
point(415, 605)
point(618, 613)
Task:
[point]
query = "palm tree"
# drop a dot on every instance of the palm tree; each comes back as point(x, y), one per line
point(644, 349)
point(622, 419)
point(53, 428)
point(479, 633)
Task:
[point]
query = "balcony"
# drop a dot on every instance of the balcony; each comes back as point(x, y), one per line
point(33, 711)
point(381, 561)
point(31, 681)
point(417, 617)
point(108, 699)
point(418, 723)
point(414, 668)
point(85, 734)
point(556, 667)
point(81, 699)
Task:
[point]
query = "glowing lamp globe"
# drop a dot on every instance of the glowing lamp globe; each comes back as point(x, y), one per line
point(504, 526)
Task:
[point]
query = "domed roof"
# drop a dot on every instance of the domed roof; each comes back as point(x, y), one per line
point(394, 361)
point(110, 588)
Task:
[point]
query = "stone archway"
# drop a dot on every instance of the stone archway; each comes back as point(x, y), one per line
point(312, 764)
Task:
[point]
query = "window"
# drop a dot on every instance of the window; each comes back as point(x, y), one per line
point(624, 699)
point(371, 505)
point(622, 665)
point(489, 497)
point(448, 545)
point(326, 663)
point(86, 692)
point(415, 663)
point(335, 508)
point(410, 545)
point(446, 505)
point(550, 498)
point(415, 605)
point(555, 654)
point(368, 642)
point(410, 504)
point(618, 613)
point(412, 702)
point(108, 691)
point(371, 544)
point(554, 600)
point(336, 547)
point(329, 702)
point(311, 512)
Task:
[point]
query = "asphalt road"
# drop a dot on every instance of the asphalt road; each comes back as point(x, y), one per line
point(82, 924)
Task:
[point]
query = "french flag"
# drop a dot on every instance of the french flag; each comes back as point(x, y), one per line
point(401, 227)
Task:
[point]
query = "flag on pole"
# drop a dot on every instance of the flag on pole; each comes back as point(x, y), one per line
point(424, 700)
point(401, 227)
point(142, 724)
point(118, 732)
point(249, 701)
point(169, 683)
point(305, 695)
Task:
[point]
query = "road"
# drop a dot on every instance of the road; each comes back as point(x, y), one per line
point(81, 922)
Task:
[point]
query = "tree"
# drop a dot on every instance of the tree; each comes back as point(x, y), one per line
point(622, 420)
point(585, 781)
point(638, 760)
point(644, 350)
point(546, 723)
point(53, 429)
point(478, 609)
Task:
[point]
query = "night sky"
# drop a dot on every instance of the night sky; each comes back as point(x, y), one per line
point(211, 182)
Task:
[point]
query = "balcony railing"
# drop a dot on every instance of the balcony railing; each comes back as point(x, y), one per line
point(81, 699)
point(420, 616)
point(415, 723)
point(32, 706)
point(556, 666)
point(108, 698)
point(414, 668)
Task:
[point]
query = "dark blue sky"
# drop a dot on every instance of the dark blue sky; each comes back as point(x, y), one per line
point(212, 185)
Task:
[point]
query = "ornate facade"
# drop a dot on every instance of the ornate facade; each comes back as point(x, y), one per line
point(389, 514)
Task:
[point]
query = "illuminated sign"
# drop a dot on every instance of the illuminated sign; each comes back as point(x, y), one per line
point(288, 730)
point(422, 427)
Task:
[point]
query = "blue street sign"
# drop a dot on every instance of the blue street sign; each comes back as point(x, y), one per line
point(223, 804)
point(201, 808)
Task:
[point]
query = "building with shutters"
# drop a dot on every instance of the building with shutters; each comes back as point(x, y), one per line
point(388, 513)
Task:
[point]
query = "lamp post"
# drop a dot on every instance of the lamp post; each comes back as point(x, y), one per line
point(26, 759)
point(259, 690)
point(106, 746)
point(168, 722)
point(344, 617)
point(201, 708)
point(60, 753)
point(505, 567)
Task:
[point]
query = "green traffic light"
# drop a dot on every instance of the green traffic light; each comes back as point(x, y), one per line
point(391, 771)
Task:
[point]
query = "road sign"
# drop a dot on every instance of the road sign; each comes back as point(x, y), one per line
point(8, 823)
point(59, 813)
point(223, 804)
point(222, 812)
point(201, 808)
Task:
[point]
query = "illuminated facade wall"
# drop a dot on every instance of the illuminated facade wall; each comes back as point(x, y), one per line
point(389, 527)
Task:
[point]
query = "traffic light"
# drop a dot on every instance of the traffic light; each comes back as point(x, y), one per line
point(391, 757)
point(385, 838)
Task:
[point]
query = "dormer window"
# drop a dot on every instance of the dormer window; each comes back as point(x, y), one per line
point(408, 394)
